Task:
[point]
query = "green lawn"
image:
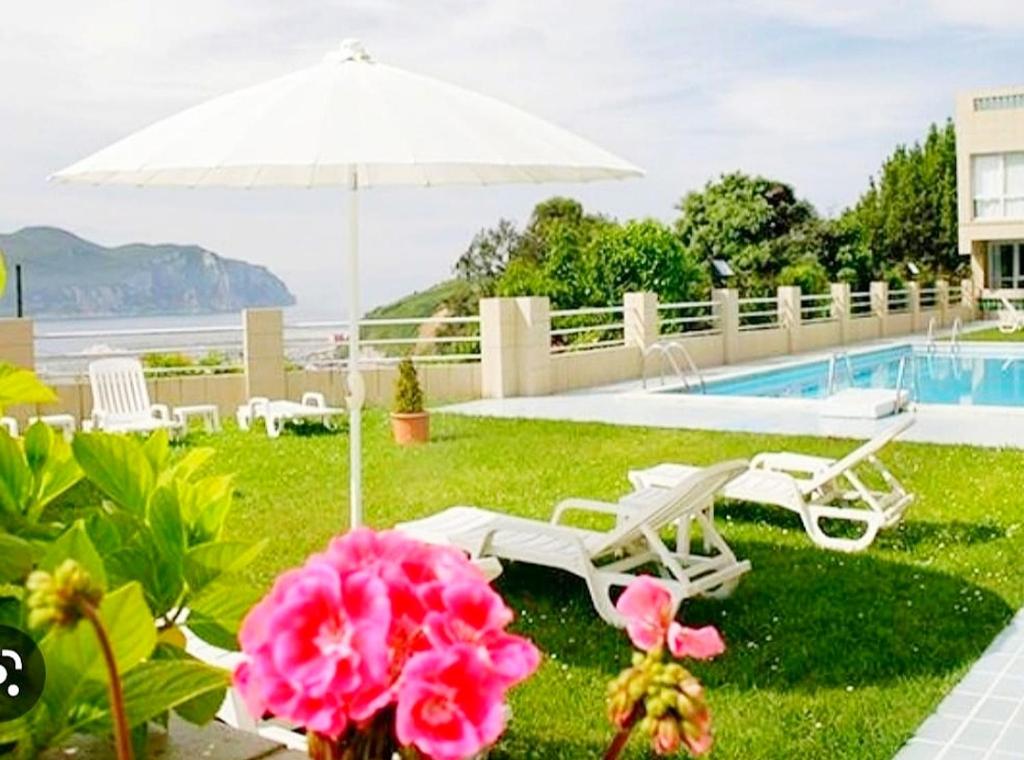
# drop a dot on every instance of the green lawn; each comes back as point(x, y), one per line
point(830, 656)
point(992, 334)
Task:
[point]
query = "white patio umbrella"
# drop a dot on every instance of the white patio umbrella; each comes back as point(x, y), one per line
point(354, 123)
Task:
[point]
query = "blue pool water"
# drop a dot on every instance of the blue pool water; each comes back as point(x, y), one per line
point(964, 378)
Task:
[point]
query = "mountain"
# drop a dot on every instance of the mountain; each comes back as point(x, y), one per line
point(64, 275)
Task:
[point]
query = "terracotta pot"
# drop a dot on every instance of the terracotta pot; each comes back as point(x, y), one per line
point(410, 428)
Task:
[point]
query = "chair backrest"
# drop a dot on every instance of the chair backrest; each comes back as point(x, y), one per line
point(858, 455)
point(693, 491)
point(119, 389)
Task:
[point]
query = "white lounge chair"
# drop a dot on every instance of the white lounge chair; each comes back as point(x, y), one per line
point(276, 414)
point(1010, 317)
point(606, 560)
point(10, 425)
point(816, 488)
point(120, 400)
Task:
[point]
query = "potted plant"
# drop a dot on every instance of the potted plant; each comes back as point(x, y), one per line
point(409, 422)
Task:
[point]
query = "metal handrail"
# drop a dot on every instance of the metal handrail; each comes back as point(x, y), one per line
point(906, 361)
point(930, 342)
point(666, 349)
point(833, 361)
point(954, 335)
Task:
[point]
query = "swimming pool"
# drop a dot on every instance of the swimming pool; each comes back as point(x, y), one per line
point(969, 377)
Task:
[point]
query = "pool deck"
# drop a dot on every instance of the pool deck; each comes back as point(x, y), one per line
point(629, 404)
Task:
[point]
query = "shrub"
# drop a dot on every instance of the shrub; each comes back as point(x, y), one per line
point(408, 394)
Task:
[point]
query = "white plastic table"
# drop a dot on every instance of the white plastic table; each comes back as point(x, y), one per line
point(62, 422)
point(207, 412)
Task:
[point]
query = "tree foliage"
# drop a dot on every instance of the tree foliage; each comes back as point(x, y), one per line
point(909, 212)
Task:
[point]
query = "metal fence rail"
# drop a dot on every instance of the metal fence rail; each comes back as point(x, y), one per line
point(688, 318)
point(754, 316)
point(162, 350)
point(860, 304)
point(587, 329)
point(816, 308)
point(899, 301)
point(324, 344)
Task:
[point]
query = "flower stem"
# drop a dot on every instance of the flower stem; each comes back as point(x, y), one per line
point(122, 734)
point(622, 737)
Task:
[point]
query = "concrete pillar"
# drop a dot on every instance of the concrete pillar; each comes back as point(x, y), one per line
point(17, 343)
point(263, 353)
point(726, 310)
point(790, 315)
point(515, 346)
point(840, 308)
point(880, 305)
point(914, 305)
point(968, 299)
point(640, 316)
point(942, 301)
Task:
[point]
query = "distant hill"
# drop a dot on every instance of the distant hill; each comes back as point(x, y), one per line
point(422, 303)
point(65, 275)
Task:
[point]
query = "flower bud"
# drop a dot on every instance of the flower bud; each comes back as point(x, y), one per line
point(58, 598)
point(667, 737)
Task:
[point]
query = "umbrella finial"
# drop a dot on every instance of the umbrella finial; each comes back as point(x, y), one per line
point(349, 50)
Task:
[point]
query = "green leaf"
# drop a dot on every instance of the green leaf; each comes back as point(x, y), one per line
point(53, 467)
point(16, 558)
point(211, 503)
point(15, 476)
point(157, 449)
point(75, 544)
point(216, 613)
point(207, 562)
point(202, 709)
point(165, 522)
point(119, 468)
point(154, 687)
point(130, 628)
point(21, 386)
point(189, 464)
point(38, 441)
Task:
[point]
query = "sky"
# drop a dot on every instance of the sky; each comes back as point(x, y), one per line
point(812, 92)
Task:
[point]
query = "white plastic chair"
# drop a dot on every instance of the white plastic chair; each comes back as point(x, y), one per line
point(610, 559)
point(1010, 317)
point(120, 399)
point(816, 488)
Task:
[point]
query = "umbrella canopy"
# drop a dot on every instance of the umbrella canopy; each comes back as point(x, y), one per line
point(349, 122)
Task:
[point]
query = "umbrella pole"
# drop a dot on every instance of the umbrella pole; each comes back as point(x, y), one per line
point(356, 390)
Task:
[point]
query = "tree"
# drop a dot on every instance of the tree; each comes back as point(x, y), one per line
point(909, 211)
point(488, 256)
point(749, 222)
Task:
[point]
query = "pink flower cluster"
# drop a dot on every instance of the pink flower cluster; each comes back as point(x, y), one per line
point(381, 620)
point(647, 607)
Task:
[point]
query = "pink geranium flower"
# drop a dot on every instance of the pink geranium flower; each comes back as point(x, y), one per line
point(699, 643)
point(314, 643)
point(647, 607)
point(473, 614)
point(449, 704)
point(380, 619)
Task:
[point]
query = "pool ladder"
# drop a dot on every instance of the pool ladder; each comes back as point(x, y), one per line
point(671, 351)
point(954, 336)
point(833, 366)
point(908, 365)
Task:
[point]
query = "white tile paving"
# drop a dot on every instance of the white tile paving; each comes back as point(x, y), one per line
point(982, 718)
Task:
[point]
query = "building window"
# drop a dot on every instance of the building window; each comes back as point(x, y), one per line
point(997, 182)
point(1006, 265)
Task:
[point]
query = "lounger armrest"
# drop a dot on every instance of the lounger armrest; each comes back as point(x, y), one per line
point(312, 398)
point(786, 462)
point(97, 418)
point(160, 411)
point(587, 505)
point(563, 533)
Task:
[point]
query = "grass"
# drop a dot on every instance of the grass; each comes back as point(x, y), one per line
point(830, 656)
point(992, 334)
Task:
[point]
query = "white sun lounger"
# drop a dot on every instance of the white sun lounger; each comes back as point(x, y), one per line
point(610, 559)
point(120, 400)
point(1010, 317)
point(10, 425)
point(276, 414)
point(816, 488)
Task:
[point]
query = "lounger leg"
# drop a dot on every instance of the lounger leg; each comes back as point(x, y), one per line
point(274, 426)
point(812, 517)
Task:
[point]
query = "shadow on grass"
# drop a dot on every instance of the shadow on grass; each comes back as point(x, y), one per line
point(906, 536)
point(801, 619)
